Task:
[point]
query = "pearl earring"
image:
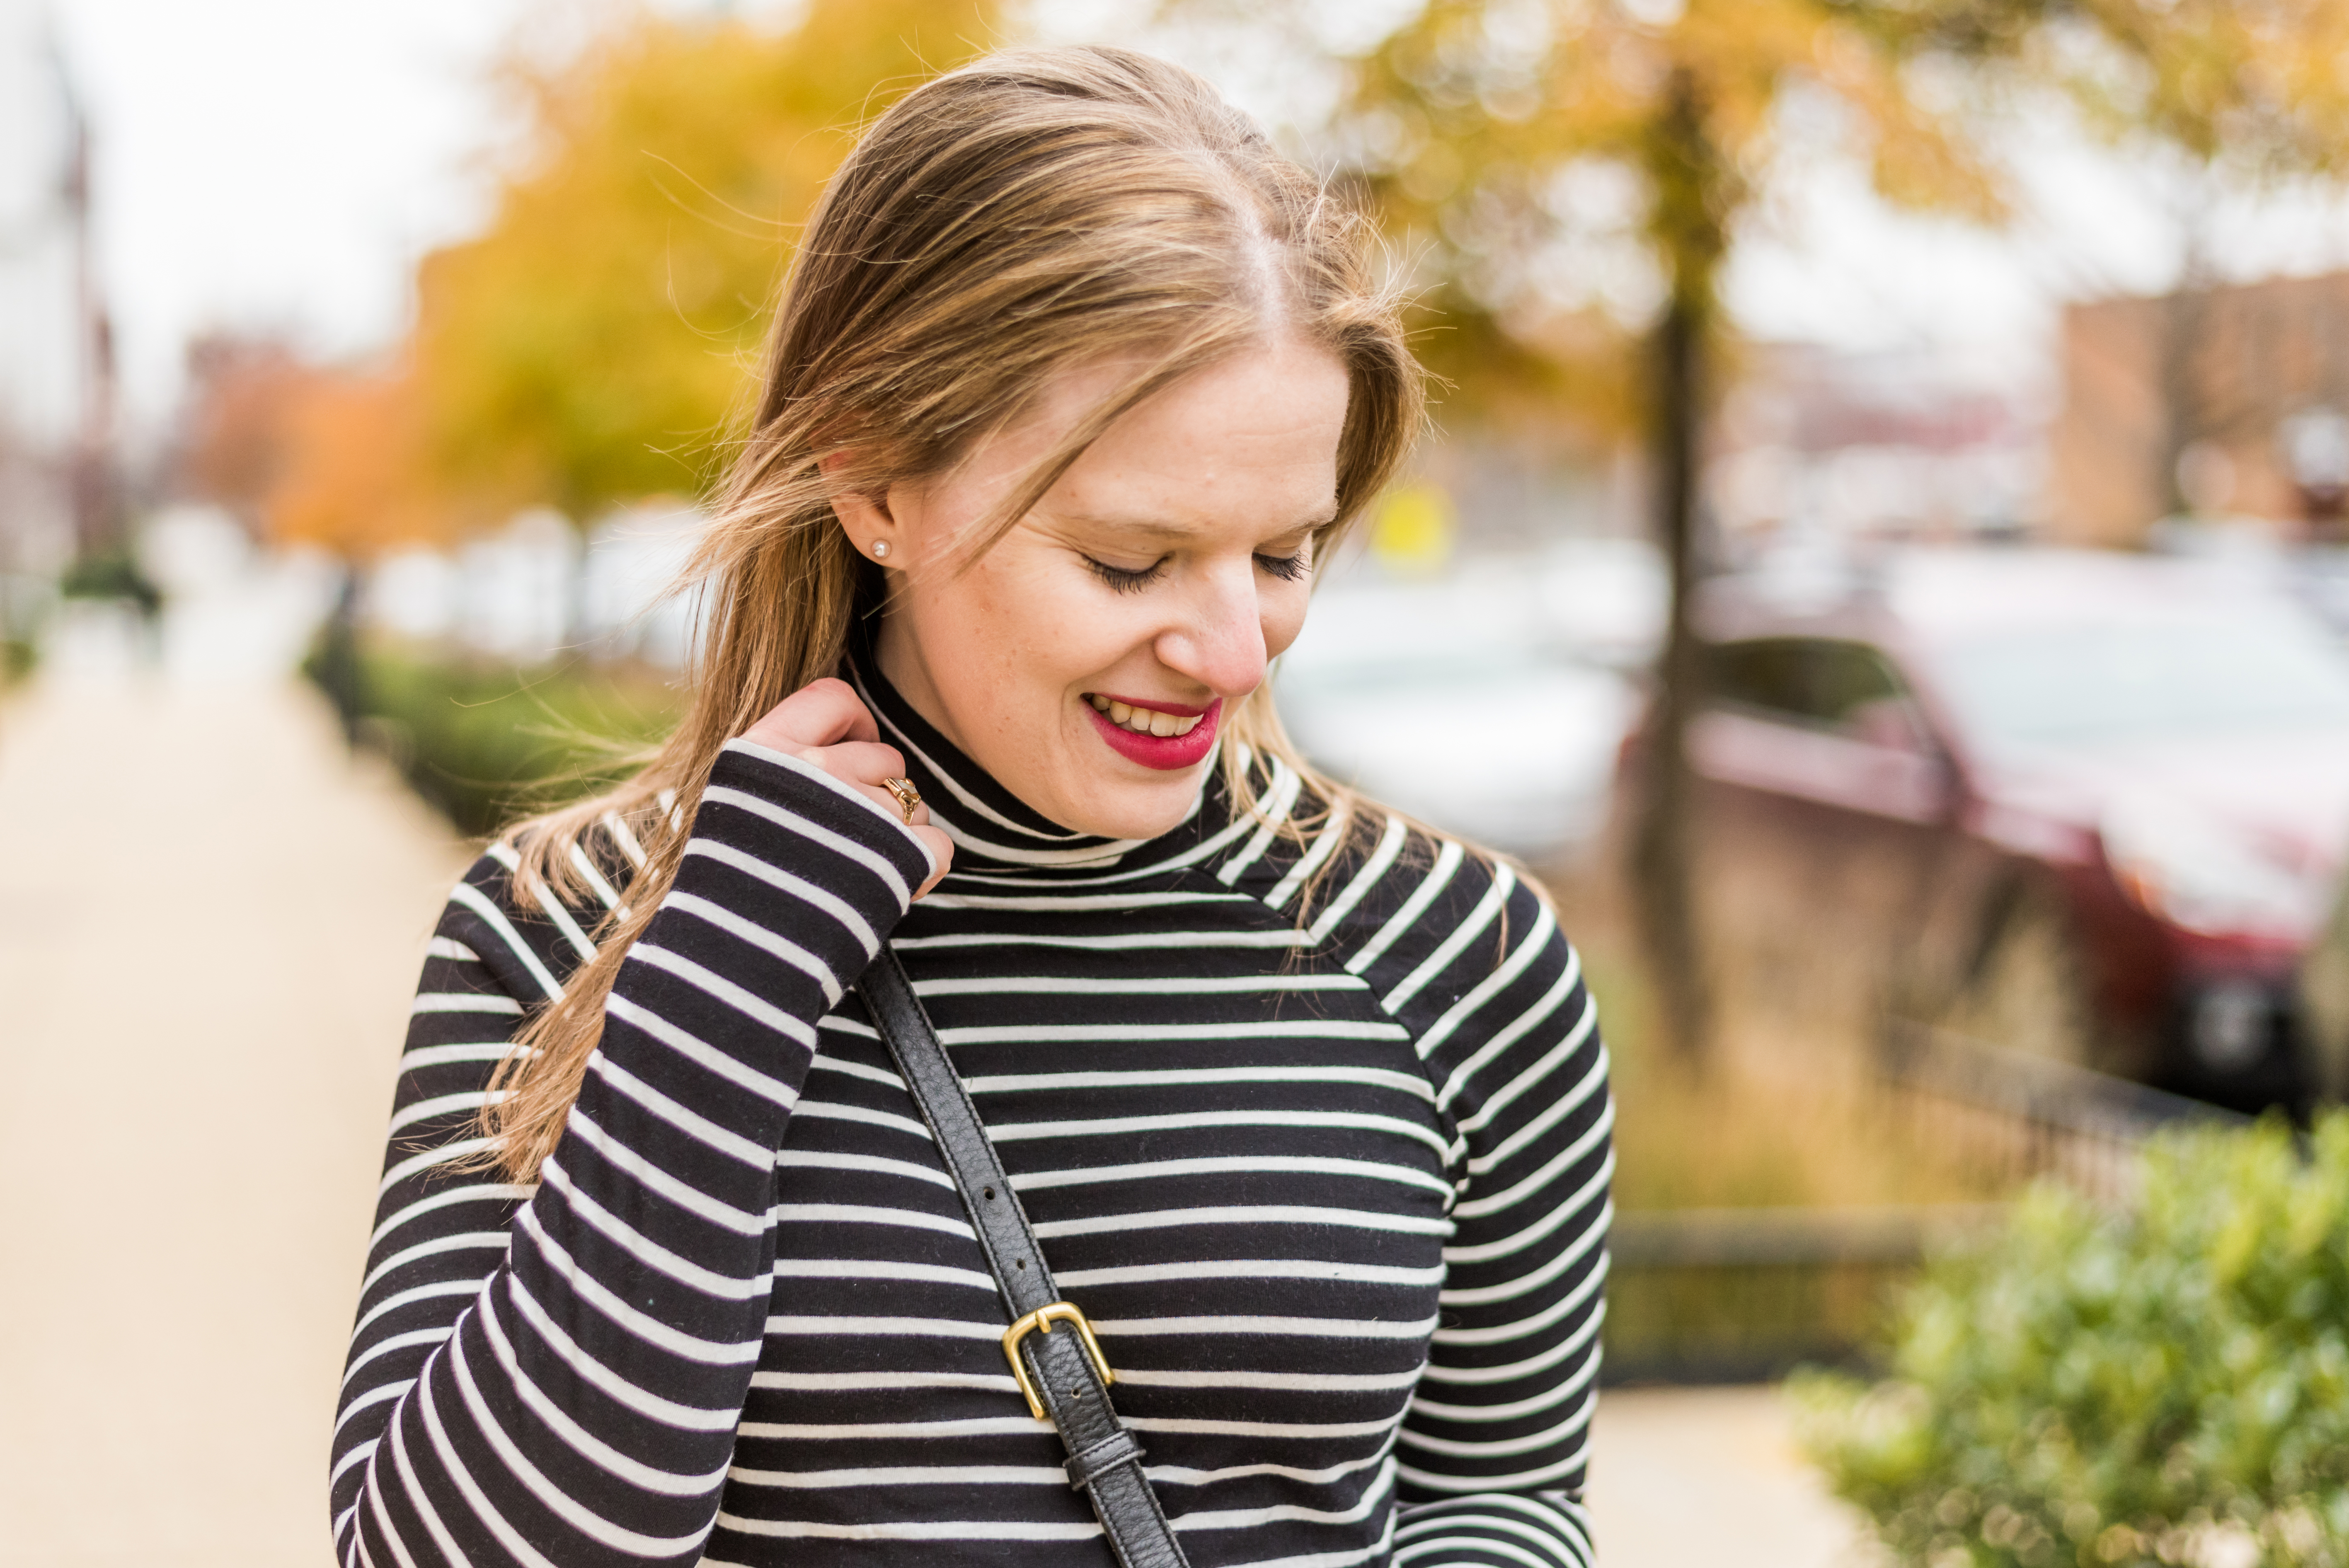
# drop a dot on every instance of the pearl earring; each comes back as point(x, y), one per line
point(880, 550)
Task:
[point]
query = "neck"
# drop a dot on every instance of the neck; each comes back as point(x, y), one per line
point(993, 830)
point(899, 659)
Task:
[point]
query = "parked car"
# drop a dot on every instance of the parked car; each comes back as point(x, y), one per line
point(2097, 805)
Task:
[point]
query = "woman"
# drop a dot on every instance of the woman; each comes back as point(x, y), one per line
point(1074, 382)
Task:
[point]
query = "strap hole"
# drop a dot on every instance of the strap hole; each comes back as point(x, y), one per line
point(990, 1194)
point(1023, 1262)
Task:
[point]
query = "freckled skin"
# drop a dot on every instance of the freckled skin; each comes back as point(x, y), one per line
point(1204, 483)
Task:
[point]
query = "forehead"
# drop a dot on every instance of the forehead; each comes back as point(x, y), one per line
point(1250, 438)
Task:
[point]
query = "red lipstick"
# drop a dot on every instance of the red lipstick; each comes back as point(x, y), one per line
point(1164, 752)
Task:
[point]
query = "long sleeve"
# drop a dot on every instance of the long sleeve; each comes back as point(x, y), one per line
point(555, 1375)
point(1494, 1449)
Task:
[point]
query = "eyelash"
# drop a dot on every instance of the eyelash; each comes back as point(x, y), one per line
point(1122, 580)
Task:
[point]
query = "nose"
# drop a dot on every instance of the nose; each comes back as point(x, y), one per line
point(1218, 641)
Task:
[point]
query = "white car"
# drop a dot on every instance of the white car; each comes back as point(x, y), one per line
point(1445, 705)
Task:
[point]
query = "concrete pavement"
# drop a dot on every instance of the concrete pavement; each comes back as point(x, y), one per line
point(209, 922)
point(1707, 1478)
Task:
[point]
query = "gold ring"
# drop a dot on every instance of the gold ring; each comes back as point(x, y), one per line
point(907, 796)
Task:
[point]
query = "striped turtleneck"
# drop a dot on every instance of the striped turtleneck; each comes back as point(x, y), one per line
point(1310, 1111)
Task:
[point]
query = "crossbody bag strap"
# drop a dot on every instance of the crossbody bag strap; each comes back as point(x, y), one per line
point(1051, 1346)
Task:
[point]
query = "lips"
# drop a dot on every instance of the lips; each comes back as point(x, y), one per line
point(1160, 735)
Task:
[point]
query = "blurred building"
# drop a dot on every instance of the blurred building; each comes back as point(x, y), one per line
point(2230, 400)
point(1817, 443)
point(42, 374)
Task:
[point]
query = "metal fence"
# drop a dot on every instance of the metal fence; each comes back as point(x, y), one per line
point(1733, 1295)
point(2016, 1118)
point(1744, 1295)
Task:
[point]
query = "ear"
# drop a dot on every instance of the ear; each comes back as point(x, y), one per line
point(865, 518)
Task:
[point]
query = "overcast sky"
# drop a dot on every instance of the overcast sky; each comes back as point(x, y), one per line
point(282, 163)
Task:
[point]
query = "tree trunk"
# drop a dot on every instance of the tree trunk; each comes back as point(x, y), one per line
point(1662, 861)
point(2183, 316)
point(1688, 184)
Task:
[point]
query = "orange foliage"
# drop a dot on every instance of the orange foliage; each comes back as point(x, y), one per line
point(354, 479)
point(305, 453)
point(587, 348)
point(233, 443)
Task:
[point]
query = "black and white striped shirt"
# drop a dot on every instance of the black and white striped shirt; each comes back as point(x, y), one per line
point(1330, 1184)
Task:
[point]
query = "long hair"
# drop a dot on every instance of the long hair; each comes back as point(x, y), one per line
point(1029, 211)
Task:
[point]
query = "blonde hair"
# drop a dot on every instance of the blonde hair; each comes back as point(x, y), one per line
point(1030, 210)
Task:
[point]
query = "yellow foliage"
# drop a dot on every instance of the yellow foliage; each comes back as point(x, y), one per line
point(590, 346)
point(1463, 121)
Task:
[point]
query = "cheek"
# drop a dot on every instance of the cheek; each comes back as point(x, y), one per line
point(1281, 612)
point(1044, 631)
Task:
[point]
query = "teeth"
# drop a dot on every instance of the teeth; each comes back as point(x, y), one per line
point(1143, 720)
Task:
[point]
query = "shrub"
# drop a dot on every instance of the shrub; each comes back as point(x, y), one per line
point(486, 742)
point(2165, 1386)
point(111, 574)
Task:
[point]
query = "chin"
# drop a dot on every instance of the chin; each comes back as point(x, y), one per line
point(1137, 811)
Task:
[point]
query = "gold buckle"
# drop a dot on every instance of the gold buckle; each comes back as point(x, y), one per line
point(1041, 1321)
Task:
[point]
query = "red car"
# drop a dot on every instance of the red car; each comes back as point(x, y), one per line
point(2091, 805)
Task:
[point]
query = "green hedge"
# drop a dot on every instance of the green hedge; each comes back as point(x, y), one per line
point(2165, 1386)
point(487, 742)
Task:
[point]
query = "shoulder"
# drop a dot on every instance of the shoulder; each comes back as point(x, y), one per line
point(1429, 923)
point(528, 942)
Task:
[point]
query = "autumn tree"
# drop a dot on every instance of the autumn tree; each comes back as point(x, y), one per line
point(233, 429)
point(305, 453)
point(1474, 126)
point(1475, 123)
point(589, 346)
point(355, 481)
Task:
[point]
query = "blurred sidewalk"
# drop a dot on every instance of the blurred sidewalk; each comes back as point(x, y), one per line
point(1699, 1478)
point(209, 922)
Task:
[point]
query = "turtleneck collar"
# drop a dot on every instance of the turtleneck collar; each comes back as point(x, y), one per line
point(993, 830)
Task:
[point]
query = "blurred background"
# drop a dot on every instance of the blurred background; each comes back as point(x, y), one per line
point(1881, 556)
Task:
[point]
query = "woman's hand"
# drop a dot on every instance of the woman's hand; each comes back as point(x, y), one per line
point(825, 725)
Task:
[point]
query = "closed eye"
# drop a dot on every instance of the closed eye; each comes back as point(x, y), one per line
point(1127, 579)
point(1133, 580)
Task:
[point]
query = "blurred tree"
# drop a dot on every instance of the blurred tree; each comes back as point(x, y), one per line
point(1555, 166)
point(588, 347)
point(1568, 174)
point(306, 453)
point(352, 477)
point(232, 438)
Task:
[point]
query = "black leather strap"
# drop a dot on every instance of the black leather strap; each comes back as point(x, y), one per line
point(1105, 1458)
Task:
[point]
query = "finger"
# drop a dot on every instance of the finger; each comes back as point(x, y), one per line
point(821, 713)
point(918, 818)
point(941, 850)
point(857, 761)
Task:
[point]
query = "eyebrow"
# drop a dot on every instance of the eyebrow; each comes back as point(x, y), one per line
point(1160, 528)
